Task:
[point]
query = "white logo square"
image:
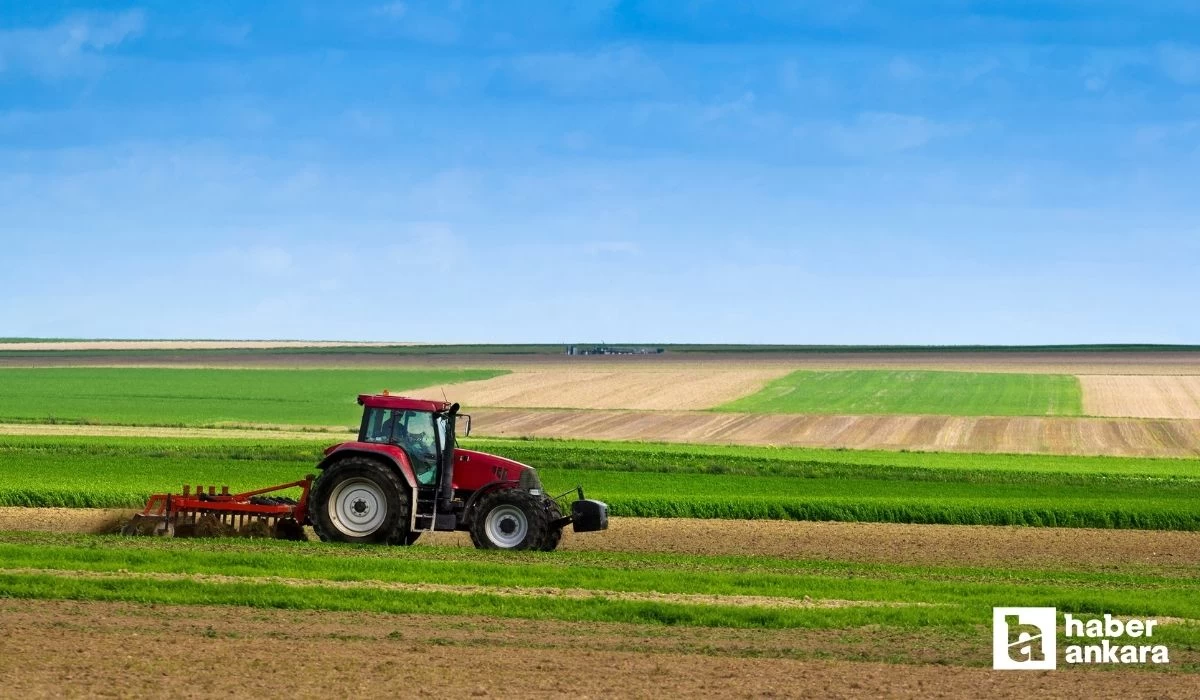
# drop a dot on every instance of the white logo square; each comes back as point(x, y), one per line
point(1024, 639)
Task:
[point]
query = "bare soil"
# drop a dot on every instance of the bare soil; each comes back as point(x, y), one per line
point(693, 388)
point(76, 649)
point(1141, 396)
point(967, 545)
point(1127, 437)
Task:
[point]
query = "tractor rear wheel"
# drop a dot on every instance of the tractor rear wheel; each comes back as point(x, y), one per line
point(510, 519)
point(360, 500)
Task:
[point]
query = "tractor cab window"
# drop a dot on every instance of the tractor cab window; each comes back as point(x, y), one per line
point(412, 431)
point(440, 420)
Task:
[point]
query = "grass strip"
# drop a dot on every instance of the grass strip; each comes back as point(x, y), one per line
point(272, 595)
point(976, 589)
point(187, 397)
point(916, 392)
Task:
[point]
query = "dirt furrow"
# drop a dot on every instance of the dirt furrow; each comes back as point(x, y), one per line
point(981, 545)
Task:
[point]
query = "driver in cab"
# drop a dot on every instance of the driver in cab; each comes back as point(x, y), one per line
point(409, 432)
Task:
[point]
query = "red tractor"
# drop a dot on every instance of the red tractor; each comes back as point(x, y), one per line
point(404, 475)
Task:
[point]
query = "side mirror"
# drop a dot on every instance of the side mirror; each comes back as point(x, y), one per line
point(462, 425)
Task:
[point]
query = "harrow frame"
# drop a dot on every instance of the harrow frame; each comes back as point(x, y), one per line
point(172, 514)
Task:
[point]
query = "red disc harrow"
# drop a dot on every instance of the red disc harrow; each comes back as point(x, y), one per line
point(208, 512)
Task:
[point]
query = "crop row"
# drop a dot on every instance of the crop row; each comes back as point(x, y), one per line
point(115, 472)
point(682, 458)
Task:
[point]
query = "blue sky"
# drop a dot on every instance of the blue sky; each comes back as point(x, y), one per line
point(933, 172)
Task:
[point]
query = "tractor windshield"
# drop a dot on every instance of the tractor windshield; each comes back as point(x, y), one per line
point(412, 431)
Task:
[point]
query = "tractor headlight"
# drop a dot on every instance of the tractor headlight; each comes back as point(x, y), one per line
point(529, 481)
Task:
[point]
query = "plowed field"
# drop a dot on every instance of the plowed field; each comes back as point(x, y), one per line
point(1141, 396)
point(1025, 435)
point(123, 649)
point(667, 389)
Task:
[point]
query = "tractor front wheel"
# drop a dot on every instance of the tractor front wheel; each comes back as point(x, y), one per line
point(360, 500)
point(554, 533)
point(510, 519)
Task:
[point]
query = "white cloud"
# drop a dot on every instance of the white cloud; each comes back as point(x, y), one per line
point(884, 132)
point(612, 248)
point(420, 23)
point(427, 248)
point(1180, 63)
point(623, 69)
point(259, 259)
point(370, 122)
point(1178, 136)
point(979, 69)
point(391, 10)
point(902, 69)
point(69, 47)
point(739, 106)
point(789, 75)
point(229, 34)
point(270, 259)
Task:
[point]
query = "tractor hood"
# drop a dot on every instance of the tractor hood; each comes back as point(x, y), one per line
point(473, 470)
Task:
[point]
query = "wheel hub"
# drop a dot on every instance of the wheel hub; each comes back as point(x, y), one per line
point(506, 526)
point(358, 507)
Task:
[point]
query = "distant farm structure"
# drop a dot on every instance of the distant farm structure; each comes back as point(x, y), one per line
point(603, 349)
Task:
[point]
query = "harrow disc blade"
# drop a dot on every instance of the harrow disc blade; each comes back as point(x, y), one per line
point(212, 526)
point(144, 525)
point(256, 529)
point(289, 529)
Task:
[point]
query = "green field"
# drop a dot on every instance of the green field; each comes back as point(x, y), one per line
point(945, 602)
point(855, 392)
point(666, 481)
point(199, 397)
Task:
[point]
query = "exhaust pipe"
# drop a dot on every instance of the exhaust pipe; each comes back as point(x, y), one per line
point(445, 492)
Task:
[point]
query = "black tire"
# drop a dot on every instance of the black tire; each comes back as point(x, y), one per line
point(504, 504)
point(393, 527)
point(412, 538)
point(554, 533)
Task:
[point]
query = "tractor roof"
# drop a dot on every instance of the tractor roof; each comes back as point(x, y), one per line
point(402, 403)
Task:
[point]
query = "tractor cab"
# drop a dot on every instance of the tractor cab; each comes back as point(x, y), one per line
point(424, 431)
point(421, 434)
